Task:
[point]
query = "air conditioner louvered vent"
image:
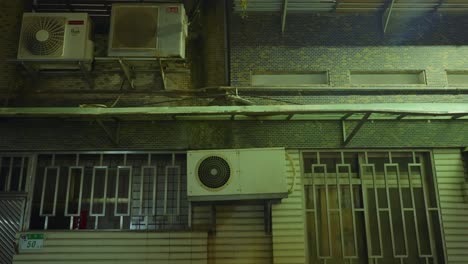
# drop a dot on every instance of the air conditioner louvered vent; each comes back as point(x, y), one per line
point(214, 172)
point(44, 35)
point(135, 27)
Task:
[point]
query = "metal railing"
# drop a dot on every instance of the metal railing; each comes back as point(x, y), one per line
point(13, 172)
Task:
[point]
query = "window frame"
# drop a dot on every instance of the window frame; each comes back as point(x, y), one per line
point(422, 72)
point(291, 72)
point(449, 72)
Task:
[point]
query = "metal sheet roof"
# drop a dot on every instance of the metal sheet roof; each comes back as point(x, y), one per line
point(459, 6)
point(93, 7)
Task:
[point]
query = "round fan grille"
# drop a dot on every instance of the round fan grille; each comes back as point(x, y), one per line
point(214, 172)
point(44, 35)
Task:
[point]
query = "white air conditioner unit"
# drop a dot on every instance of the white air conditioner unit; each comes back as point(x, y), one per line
point(148, 30)
point(56, 40)
point(237, 174)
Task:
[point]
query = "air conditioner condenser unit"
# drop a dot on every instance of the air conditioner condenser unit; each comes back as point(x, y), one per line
point(56, 40)
point(236, 174)
point(148, 30)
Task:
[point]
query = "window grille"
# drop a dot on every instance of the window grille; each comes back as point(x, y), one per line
point(132, 191)
point(371, 207)
point(13, 173)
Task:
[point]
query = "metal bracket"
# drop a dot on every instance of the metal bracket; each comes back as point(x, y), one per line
point(386, 15)
point(400, 117)
point(34, 5)
point(336, 5)
point(283, 16)
point(69, 6)
point(439, 4)
point(31, 71)
point(268, 217)
point(128, 73)
point(163, 74)
point(113, 136)
point(348, 138)
point(86, 75)
point(455, 117)
point(213, 219)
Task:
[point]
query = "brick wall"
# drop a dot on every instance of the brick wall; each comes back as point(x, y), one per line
point(340, 43)
point(163, 135)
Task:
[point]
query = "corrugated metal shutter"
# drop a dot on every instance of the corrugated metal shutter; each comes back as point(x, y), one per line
point(119, 247)
point(288, 218)
point(240, 236)
point(450, 177)
point(11, 214)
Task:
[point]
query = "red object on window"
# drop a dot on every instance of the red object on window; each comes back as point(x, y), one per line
point(75, 22)
point(172, 9)
point(81, 221)
point(84, 219)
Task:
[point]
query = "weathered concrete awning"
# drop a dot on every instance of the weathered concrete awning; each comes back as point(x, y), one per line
point(339, 112)
point(387, 111)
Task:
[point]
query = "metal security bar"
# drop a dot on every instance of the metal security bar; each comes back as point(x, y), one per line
point(131, 190)
point(371, 207)
point(13, 173)
point(74, 172)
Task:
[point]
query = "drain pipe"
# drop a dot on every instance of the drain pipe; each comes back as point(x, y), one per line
point(227, 46)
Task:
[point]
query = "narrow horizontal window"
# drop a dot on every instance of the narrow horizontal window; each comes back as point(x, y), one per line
point(457, 78)
point(289, 78)
point(387, 78)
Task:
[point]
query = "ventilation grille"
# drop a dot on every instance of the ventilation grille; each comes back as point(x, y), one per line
point(43, 36)
point(214, 172)
point(134, 27)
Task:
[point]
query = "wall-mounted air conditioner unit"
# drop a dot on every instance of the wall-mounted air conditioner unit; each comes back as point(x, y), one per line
point(148, 30)
point(237, 174)
point(56, 40)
